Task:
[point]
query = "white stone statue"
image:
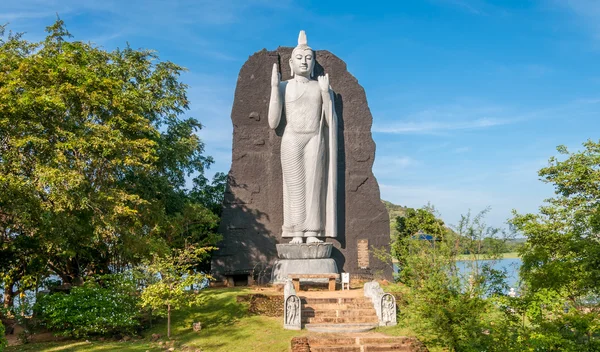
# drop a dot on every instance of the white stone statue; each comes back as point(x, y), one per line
point(308, 147)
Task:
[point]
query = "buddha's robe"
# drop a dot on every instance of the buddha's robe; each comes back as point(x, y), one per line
point(309, 164)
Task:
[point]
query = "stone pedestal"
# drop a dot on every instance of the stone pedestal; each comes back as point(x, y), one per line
point(303, 258)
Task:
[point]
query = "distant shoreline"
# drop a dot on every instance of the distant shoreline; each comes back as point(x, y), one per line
point(510, 255)
point(465, 257)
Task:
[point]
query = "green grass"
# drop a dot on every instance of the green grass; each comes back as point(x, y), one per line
point(73, 346)
point(226, 327)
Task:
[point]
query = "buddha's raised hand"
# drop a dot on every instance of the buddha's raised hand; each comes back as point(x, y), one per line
point(324, 82)
point(275, 77)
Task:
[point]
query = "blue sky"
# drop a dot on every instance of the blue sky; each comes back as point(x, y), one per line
point(469, 97)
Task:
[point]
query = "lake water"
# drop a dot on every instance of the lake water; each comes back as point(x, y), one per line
point(511, 266)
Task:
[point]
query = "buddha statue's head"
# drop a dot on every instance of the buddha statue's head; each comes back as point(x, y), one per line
point(302, 62)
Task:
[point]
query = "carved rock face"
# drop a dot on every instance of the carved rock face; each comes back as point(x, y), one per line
point(253, 209)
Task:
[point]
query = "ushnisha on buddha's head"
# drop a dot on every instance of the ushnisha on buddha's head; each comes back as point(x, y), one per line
point(302, 62)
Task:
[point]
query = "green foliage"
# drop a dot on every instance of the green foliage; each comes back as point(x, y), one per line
point(3, 342)
point(394, 211)
point(227, 326)
point(413, 222)
point(562, 239)
point(420, 220)
point(105, 306)
point(473, 313)
point(94, 155)
point(170, 279)
point(445, 308)
point(474, 237)
point(210, 194)
point(561, 258)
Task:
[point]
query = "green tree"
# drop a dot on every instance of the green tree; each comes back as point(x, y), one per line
point(94, 156)
point(210, 194)
point(563, 239)
point(561, 257)
point(416, 221)
point(445, 307)
point(171, 279)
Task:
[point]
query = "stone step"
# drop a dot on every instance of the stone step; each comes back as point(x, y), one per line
point(339, 320)
point(331, 341)
point(345, 306)
point(339, 300)
point(340, 328)
point(385, 347)
point(385, 340)
point(339, 313)
point(354, 348)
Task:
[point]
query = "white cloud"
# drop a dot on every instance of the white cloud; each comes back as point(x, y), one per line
point(450, 202)
point(444, 119)
point(386, 166)
point(402, 162)
point(465, 6)
point(475, 7)
point(453, 118)
point(461, 150)
point(453, 201)
point(432, 127)
point(586, 10)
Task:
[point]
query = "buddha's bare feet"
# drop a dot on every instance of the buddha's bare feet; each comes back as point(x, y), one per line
point(296, 240)
point(313, 240)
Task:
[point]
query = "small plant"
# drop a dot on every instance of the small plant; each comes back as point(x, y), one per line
point(170, 278)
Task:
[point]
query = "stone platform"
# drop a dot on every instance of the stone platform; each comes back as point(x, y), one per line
point(305, 259)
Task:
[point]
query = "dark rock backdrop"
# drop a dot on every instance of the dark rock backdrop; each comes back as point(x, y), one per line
point(253, 210)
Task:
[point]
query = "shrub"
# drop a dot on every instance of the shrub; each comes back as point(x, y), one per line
point(103, 306)
point(3, 342)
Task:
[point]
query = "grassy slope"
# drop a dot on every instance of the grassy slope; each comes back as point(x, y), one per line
point(226, 327)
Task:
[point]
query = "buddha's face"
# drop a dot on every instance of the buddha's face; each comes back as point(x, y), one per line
point(302, 62)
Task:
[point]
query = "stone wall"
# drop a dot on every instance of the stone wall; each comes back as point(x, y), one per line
point(253, 210)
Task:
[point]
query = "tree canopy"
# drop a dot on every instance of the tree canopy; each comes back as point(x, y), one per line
point(95, 153)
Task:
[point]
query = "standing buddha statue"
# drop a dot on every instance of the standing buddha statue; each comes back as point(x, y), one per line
point(308, 147)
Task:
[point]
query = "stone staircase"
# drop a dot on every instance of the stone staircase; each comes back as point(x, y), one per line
point(342, 314)
point(341, 322)
point(357, 343)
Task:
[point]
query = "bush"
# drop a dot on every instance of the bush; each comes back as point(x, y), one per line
point(3, 342)
point(104, 306)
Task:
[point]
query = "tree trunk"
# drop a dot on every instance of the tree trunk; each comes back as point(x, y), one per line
point(9, 294)
point(169, 321)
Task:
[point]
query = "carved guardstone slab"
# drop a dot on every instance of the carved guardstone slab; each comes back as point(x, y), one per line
point(252, 216)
